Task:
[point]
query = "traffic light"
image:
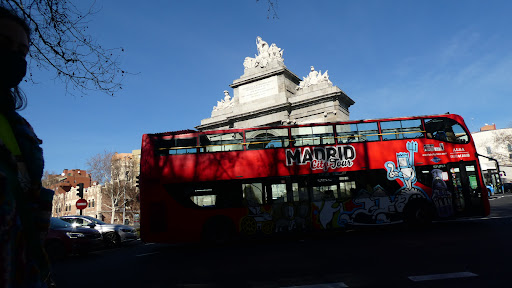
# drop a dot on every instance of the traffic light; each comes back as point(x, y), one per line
point(80, 192)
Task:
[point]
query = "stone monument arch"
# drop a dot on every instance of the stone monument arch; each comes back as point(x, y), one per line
point(268, 94)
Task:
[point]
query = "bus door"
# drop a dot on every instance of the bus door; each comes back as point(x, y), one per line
point(325, 201)
point(465, 186)
point(290, 205)
point(300, 203)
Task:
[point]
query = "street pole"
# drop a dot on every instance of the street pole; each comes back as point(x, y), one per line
point(124, 197)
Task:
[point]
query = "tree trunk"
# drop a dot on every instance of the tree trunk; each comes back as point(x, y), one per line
point(113, 213)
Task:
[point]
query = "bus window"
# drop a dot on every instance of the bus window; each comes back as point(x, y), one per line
point(345, 187)
point(446, 129)
point(315, 135)
point(176, 146)
point(360, 132)
point(279, 193)
point(412, 129)
point(404, 129)
point(300, 192)
point(253, 194)
point(325, 189)
point(204, 198)
point(221, 142)
point(267, 139)
point(207, 195)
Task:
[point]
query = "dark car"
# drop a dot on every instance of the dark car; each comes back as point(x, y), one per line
point(113, 234)
point(64, 239)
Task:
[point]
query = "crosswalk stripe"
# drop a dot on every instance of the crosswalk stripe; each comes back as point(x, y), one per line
point(324, 285)
point(442, 276)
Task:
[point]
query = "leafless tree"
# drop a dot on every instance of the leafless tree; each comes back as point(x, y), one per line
point(271, 8)
point(49, 180)
point(100, 167)
point(117, 174)
point(503, 147)
point(60, 43)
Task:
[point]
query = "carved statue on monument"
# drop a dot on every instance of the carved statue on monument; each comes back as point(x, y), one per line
point(265, 55)
point(314, 78)
point(227, 102)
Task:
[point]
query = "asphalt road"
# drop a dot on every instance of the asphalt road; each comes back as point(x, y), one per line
point(462, 253)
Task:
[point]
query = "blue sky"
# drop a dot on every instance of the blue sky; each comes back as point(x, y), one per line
point(393, 58)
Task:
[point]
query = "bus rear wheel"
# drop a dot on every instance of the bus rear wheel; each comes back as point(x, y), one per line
point(218, 231)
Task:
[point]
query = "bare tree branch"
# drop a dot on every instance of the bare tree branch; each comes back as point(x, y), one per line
point(118, 174)
point(272, 9)
point(60, 42)
point(100, 167)
point(502, 149)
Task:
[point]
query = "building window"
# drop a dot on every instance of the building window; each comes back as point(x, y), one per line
point(488, 149)
point(509, 147)
point(92, 202)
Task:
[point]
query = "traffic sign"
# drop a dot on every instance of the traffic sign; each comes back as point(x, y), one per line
point(81, 204)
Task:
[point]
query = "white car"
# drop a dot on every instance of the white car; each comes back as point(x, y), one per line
point(113, 234)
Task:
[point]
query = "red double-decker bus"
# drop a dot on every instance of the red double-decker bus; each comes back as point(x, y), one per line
point(214, 185)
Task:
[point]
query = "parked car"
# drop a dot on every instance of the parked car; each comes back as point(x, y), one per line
point(63, 239)
point(113, 234)
point(507, 187)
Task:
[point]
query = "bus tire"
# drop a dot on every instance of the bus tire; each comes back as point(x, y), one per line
point(218, 230)
point(418, 213)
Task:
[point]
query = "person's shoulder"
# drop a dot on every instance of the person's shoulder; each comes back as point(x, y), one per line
point(21, 123)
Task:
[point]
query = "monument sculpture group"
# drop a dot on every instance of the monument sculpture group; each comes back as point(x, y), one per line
point(269, 94)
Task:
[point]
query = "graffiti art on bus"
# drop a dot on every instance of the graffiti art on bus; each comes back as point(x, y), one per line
point(258, 219)
point(404, 169)
point(441, 196)
point(365, 209)
point(290, 216)
point(280, 217)
point(374, 205)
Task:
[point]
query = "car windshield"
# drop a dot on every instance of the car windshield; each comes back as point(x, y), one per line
point(95, 221)
point(58, 223)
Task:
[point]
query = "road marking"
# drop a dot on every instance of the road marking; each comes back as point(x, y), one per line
point(473, 219)
point(442, 276)
point(145, 254)
point(325, 285)
point(496, 217)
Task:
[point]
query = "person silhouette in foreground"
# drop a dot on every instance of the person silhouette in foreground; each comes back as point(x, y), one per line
point(25, 206)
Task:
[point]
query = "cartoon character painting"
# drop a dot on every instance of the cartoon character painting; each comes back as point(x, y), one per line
point(441, 197)
point(405, 166)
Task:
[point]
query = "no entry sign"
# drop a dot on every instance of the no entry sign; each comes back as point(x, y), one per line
point(81, 204)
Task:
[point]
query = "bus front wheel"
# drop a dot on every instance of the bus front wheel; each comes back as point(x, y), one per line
point(418, 214)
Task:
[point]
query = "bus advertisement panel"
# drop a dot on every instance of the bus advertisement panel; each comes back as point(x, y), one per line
point(215, 185)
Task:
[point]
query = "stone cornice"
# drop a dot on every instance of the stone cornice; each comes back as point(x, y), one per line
point(265, 74)
point(260, 112)
point(241, 116)
point(321, 98)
